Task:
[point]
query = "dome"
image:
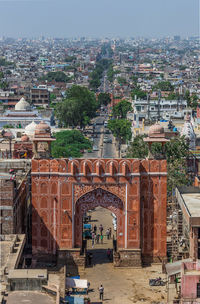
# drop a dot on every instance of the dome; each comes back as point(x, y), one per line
point(156, 130)
point(43, 129)
point(24, 138)
point(30, 129)
point(22, 105)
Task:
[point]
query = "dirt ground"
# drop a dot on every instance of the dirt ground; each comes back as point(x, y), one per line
point(121, 286)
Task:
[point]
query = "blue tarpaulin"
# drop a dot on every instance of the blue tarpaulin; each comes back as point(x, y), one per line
point(74, 300)
point(87, 226)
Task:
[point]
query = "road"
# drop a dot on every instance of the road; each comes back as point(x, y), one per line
point(121, 286)
point(105, 150)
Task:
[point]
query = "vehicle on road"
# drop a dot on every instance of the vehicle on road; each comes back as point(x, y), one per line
point(95, 148)
point(156, 282)
point(100, 123)
point(107, 131)
point(109, 141)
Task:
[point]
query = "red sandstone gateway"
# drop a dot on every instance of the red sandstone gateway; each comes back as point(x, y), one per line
point(134, 190)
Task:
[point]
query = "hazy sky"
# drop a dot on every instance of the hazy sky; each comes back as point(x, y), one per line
point(97, 18)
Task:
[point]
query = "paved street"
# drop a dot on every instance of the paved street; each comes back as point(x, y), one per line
point(105, 150)
point(121, 286)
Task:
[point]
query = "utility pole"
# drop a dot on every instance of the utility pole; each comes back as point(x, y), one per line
point(148, 105)
point(159, 96)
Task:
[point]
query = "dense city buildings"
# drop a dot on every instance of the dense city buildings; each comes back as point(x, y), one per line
point(99, 169)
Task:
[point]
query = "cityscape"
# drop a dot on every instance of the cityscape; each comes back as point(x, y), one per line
point(99, 156)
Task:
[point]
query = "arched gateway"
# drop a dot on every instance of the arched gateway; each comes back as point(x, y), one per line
point(135, 190)
point(103, 198)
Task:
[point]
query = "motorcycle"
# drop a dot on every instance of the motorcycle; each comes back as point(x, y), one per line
point(156, 282)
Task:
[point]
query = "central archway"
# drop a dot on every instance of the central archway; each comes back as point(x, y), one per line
point(105, 199)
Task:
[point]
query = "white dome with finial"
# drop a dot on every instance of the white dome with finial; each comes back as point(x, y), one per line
point(22, 105)
point(30, 129)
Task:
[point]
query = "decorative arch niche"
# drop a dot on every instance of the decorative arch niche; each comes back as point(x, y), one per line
point(95, 198)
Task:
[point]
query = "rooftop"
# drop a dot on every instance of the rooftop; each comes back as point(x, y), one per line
point(192, 201)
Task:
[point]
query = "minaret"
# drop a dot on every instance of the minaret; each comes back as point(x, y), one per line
point(156, 134)
point(42, 141)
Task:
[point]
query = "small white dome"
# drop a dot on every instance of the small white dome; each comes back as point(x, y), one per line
point(30, 129)
point(22, 105)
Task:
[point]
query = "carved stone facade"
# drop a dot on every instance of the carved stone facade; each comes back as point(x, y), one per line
point(135, 190)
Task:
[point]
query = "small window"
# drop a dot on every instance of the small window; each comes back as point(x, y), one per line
point(198, 290)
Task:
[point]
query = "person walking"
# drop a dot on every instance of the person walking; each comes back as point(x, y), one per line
point(88, 287)
point(95, 229)
point(98, 236)
point(89, 258)
point(101, 292)
point(110, 232)
point(101, 238)
point(93, 238)
point(107, 234)
point(109, 254)
point(101, 229)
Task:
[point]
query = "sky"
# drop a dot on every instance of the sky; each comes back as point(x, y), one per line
point(99, 18)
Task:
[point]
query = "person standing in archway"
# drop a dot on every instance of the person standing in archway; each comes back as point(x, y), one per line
point(101, 229)
point(101, 238)
point(93, 238)
point(108, 234)
point(101, 292)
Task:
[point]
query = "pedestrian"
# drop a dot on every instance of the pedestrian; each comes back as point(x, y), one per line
point(107, 234)
point(89, 258)
point(93, 238)
point(101, 291)
point(88, 287)
point(110, 232)
point(95, 228)
point(101, 229)
point(109, 254)
point(98, 236)
point(101, 237)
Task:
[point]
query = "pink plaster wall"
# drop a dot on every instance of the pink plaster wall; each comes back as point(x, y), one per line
point(189, 286)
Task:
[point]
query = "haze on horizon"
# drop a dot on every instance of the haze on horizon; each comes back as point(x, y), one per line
point(99, 18)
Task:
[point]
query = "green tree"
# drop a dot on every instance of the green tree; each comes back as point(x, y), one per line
point(56, 76)
point(94, 83)
point(138, 148)
point(70, 58)
point(121, 109)
point(77, 108)
point(164, 86)
point(110, 73)
point(173, 96)
point(104, 99)
point(121, 80)
point(69, 144)
point(4, 85)
point(4, 62)
point(121, 129)
point(138, 93)
point(52, 97)
point(1, 75)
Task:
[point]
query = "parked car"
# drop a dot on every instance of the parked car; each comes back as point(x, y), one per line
point(95, 148)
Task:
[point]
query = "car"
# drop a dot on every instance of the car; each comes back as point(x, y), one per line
point(90, 151)
point(95, 148)
point(109, 141)
point(105, 140)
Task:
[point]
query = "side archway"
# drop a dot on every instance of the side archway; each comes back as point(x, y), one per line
point(105, 199)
